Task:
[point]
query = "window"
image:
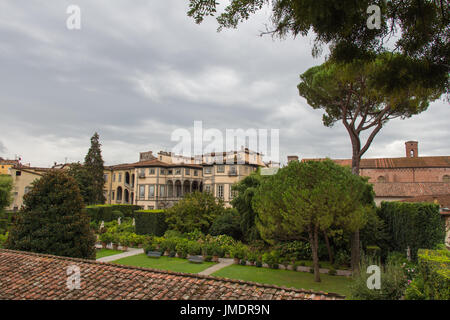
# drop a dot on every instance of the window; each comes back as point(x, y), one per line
point(195, 173)
point(120, 177)
point(220, 191)
point(151, 207)
point(113, 194)
point(18, 173)
point(114, 177)
point(141, 192)
point(151, 171)
point(233, 170)
point(162, 191)
point(162, 171)
point(446, 178)
point(105, 177)
point(178, 171)
point(141, 173)
point(232, 192)
point(208, 188)
point(170, 171)
point(151, 191)
point(208, 170)
point(220, 169)
point(188, 172)
point(381, 179)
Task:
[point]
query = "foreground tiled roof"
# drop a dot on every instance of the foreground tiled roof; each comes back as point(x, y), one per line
point(25, 275)
point(410, 189)
point(396, 163)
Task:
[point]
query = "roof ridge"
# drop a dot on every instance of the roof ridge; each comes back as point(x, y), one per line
point(190, 275)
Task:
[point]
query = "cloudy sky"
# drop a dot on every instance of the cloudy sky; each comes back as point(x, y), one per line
point(137, 70)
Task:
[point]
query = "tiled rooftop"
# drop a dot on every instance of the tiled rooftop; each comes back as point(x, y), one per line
point(393, 163)
point(25, 275)
point(410, 189)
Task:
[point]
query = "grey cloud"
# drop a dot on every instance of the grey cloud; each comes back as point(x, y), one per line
point(134, 73)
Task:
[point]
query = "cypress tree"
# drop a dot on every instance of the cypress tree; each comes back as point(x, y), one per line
point(52, 219)
point(94, 165)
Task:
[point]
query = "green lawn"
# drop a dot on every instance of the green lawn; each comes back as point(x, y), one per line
point(286, 278)
point(164, 263)
point(106, 252)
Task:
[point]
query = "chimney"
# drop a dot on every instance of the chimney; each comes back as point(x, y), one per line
point(412, 149)
point(292, 158)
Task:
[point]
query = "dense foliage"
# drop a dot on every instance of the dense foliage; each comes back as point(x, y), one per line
point(433, 280)
point(413, 225)
point(227, 223)
point(310, 197)
point(152, 222)
point(196, 211)
point(90, 175)
point(109, 212)
point(52, 220)
point(245, 191)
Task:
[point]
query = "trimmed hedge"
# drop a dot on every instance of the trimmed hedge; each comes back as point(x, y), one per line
point(434, 266)
point(109, 212)
point(417, 225)
point(150, 222)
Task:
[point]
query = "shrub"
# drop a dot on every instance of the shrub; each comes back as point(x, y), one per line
point(243, 262)
point(417, 225)
point(393, 282)
point(332, 271)
point(227, 223)
point(182, 248)
point(258, 264)
point(271, 258)
point(150, 222)
point(52, 220)
point(342, 258)
point(373, 251)
point(3, 238)
point(196, 211)
point(208, 258)
point(434, 269)
point(295, 250)
point(106, 237)
point(194, 248)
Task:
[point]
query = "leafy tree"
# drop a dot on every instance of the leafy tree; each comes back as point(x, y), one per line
point(351, 93)
point(309, 197)
point(95, 168)
point(5, 191)
point(196, 211)
point(245, 190)
point(83, 179)
point(52, 220)
point(421, 27)
point(227, 223)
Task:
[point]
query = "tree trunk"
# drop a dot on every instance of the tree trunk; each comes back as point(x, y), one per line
point(327, 242)
point(355, 254)
point(314, 241)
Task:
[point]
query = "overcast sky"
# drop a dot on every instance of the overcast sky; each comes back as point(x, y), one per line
point(137, 70)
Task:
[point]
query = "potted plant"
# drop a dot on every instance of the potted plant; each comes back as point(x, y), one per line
point(124, 241)
point(115, 241)
point(105, 238)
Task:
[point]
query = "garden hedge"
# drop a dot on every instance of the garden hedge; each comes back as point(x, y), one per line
point(109, 212)
point(434, 266)
point(151, 222)
point(417, 225)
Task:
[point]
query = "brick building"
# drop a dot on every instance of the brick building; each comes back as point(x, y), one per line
point(406, 177)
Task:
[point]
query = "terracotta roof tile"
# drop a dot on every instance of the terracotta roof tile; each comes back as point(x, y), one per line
point(391, 163)
point(25, 275)
point(410, 189)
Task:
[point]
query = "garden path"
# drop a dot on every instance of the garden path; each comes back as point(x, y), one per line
point(129, 253)
point(222, 264)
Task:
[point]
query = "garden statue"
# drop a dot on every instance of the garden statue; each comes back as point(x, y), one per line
point(134, 222)
point(118, 221)
point(408, 254)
